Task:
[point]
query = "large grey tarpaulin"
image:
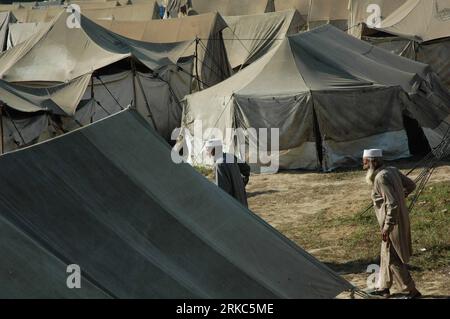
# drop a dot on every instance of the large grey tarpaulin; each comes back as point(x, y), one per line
point(330, 95)
point(251, 36)
point(109, 198)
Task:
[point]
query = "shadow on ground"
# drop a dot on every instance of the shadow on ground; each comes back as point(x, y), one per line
point(255, 194)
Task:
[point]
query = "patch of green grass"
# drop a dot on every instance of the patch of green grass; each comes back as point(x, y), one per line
point(205, 171)
point(357, 237)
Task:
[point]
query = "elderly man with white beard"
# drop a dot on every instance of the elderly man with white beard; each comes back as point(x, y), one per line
point(390, 189)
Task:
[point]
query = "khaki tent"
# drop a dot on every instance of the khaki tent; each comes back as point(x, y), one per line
point(250, 37)
point(359, 13)
point(6, 18)
point(87, 5)
point(32, 114)
point(28, 15)
point(419, 20)
point(20, 32)
point(232, 7)
point(138, 12)
point(301, 6)
point(59, 53)
point(147, 73)
point(422, 30)
point(212, 64)
point(327, 107)
point(318, 12)
point(109, 199)
point(328, 12)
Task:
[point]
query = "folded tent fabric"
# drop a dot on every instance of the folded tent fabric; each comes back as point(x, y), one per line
point(60, 99)
point(136, 226)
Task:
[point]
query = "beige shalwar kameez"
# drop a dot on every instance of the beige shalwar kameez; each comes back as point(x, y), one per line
point(390, 189)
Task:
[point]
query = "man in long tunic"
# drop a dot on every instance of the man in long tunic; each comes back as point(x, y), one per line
point(390, 188)
point(231, 175)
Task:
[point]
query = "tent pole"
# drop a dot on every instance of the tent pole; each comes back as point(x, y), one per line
point(147, 104)
point(1, 127)
point(196, 62)
point(92, 94)
point(133, 70)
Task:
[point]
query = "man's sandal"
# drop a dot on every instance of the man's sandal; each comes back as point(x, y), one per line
point(385, 293)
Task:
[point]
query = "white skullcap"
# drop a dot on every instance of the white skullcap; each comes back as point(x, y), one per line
point(213, 143)
point(375, 153)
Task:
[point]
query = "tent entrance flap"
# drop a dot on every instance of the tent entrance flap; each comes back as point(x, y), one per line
point(417, 141)
point(318, 139)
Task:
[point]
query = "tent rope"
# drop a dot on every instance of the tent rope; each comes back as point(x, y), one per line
point(99, 104)
point(112, 95)
point(207, 51)
point(192, 76)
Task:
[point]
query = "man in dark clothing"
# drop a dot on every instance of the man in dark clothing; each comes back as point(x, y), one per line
point(231, 176)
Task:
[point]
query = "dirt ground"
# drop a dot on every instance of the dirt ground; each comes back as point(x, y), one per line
point(284, 200)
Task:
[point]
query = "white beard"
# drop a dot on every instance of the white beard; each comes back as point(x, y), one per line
point(370, 176)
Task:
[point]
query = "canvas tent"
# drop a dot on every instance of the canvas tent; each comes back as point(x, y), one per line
point(20, 32)
point(204, 32)
point(327, 107)
point(232, 7)
point(318, 12)
point(153, 83)
point(136, 12)
point(6, 18)
point(302, 6)
point(250, 37)
point(110, 199)
point(79, 51)
point(27, 15)
point(360, 13)
point(328, 12)
point(422, 33)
